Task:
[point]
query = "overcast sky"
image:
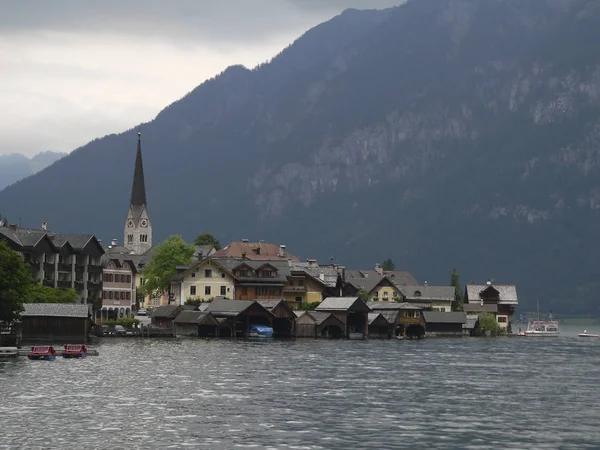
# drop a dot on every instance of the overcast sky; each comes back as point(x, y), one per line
point(73, 70)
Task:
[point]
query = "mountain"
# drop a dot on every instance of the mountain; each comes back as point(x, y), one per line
point(15, 167)
point(440, 133)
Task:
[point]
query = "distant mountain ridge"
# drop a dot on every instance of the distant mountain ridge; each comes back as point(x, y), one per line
point(440, 133)
point(15, 166)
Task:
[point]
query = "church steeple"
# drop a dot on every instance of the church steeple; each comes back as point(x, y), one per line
point(138, 229)
point(138, 190)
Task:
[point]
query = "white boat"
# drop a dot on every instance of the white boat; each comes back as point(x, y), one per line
point(9, 352)
point(542, 327)
point(586, 334)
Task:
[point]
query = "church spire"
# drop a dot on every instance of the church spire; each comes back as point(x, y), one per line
point(138, 190)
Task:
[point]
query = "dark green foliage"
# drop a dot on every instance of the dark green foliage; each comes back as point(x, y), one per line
point(207, 239)
point(487, 325)
point(388, 265)
point(467, 132)
point(309, 306)
point(127, 322)
point(457, 304)
point(363, 295)
point(15, 281)
point(195, 301)
point(43, 294)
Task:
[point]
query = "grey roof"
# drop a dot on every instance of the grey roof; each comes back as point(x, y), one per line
point(29, 237)
point(374, 316)
point(282, 267)
point(471, 322)
point(390, 316)
point(398, 277)
point(55, 310)
point(322, 316)
point(230, 307)
point(392, 306)
point(204, 250)
point(299, 313)
point(341, 304)
point(370, 283)
point(507, 293)
point(77, 241)
point(327, 275)
point(166, 311)
point(424, 293)
point(477, 307)
point(197, 317)
point(444, 317)
point(269, 304)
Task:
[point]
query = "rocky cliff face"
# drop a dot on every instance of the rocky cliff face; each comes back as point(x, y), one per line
point(439, 133)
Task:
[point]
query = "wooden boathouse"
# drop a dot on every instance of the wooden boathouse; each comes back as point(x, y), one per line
point(55, 322)
point(236, 316)
point(350, 310)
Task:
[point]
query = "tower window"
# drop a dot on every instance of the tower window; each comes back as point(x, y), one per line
point(130, 238)
point(143, 238)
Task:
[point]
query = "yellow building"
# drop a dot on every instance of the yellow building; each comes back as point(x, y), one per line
point(204, 281)
point(436, 298)
point(310, 283)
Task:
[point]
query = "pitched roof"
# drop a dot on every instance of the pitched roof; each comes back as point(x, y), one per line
point(220, 263)
point(342, 304)
point(444, 317)
point(471, 322)
point(369, 283)
point(390, 316)
point(166, 311)
point(424, 293)
point(398, 277)
point(255, 251)
point(138, 189)
point(373, 316)
point(77, 241)
point(55, 310)
point(507, 293)
point(322, 316)
point(270, 304)
point(282, 267)
point(327, 275)
point(392, 306)
point(229, 307)
point(194, 317)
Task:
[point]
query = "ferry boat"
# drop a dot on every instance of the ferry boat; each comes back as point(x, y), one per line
point(542, 327)
point(74, 351)
point(44, 352)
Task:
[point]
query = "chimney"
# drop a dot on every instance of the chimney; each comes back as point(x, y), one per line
point(245, 241)
point(200, 255)
point(425, 283)
point(44, 225)
point(113, 243)
point(282, 251)
point(312, 263)
point(342, 271)
point(322, 276)
point(243, 255)
point(489, 282)
point(378, 269)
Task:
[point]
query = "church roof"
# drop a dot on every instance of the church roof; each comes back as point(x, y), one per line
point(138, 190)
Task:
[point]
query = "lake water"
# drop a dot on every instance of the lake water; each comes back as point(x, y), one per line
point(471, 393)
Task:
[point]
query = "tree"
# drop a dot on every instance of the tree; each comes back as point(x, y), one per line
point(167, 256)
point(363, 295)
point(388, 265)
point(457, 304)
point(207, 239)
point(487, 322)
point(15, 280)
point(43, 294)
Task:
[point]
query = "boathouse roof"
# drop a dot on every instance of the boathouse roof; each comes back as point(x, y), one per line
point(55, 310)
point(343, 304)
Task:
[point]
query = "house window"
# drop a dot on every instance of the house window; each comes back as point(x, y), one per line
point(385, 295)
point(143, 238)
point(142, 281)
point(123, 278)
point(244, 291)
point(300, 282)
point(110, 295)
point(261, 291)
point(156, 301)
point(192, 290)
point(110, 277)
point(193, 274)
point(128, 295)
point(502, 319)
point(122, 295)
point(267, 273)
point(298, 299)
point(105, 294)
point(206, 290)
point(243, 273)
point(223, 290)
point(129, 278)
point(208, 273)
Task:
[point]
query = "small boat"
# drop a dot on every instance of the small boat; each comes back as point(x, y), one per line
point(261, 331)
point(9, 352)
point(74, 351)
point(44, 352)
point(586, 334)
point(542, 327)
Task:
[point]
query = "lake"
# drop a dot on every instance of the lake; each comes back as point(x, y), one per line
point(472, 393)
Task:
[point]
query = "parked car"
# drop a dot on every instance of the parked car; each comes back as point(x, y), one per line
point(142, 312)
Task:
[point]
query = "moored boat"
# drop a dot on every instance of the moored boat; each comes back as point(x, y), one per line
point(45, 352)
point(262, 331)
point(9, 352)
point(542, 328)
point(74, 351)
point(586, 334)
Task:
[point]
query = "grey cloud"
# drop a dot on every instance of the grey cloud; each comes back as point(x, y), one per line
point(224, 20)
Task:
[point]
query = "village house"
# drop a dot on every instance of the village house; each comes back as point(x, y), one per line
point(203, 280)
point(118, 286)
point(435, 298)
point(255, 251)
point(409, 318)
point(497, 299)
point(380, 285)
point(60, 260)
point(311, 283)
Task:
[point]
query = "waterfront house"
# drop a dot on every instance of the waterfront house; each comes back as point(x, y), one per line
point(60, 260)
point(203, 280)
point(163, 316)
point(118, 286)
point(439, 323)
point(55, 323)
point(350, 310)
point(497, 299)
point(410, 320)
point(311, 283)
point(255, 251)
point(195, 324)
point(236, 316)
point(378, 288)
point(284, 318)
point(258, 279)
point(435, 298)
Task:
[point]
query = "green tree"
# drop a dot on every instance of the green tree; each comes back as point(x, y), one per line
point(487, 322)
point(207, 239)
point(15, 280)
point(309, 306)
point(43, 294)
point(457, 304)
point(167, 256)
point(388, 265)
point(363, 295)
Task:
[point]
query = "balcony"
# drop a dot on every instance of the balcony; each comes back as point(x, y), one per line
point(288, 289)
point(64, 267)
point(64, 284)
point(94, 269)
point(49, 267)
